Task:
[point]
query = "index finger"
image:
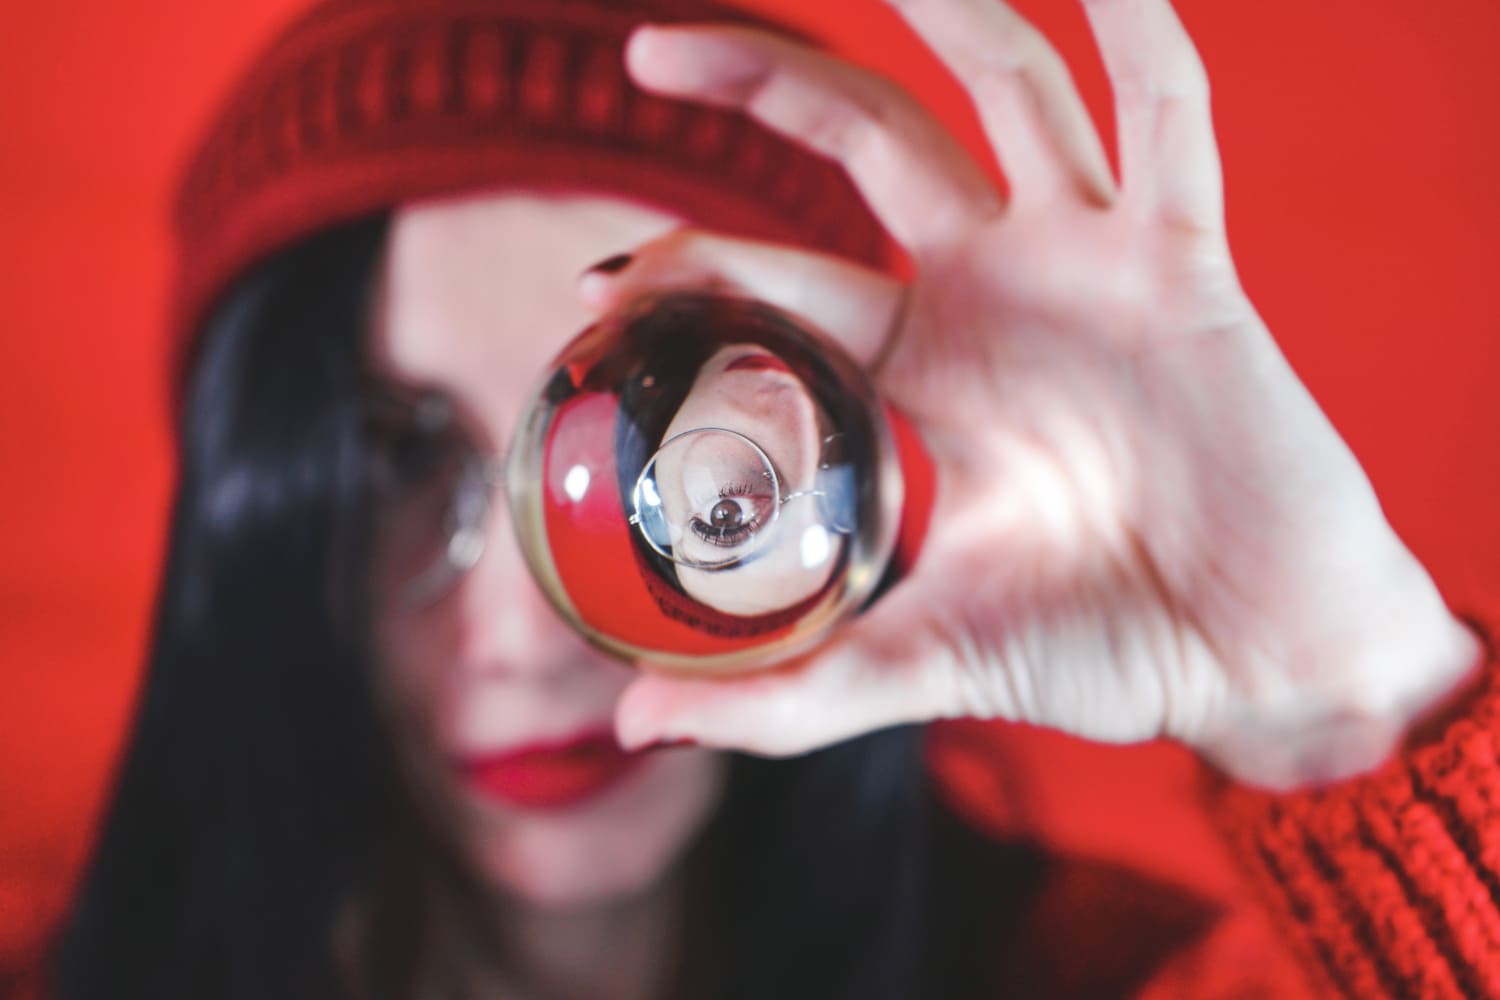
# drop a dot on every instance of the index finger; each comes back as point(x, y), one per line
point(917, 179)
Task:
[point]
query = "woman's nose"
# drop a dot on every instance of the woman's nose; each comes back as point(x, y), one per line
point(508, 623)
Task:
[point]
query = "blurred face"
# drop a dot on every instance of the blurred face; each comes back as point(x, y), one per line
point(505, 714)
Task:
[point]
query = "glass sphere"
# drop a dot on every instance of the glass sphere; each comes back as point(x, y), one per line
point(705, 483)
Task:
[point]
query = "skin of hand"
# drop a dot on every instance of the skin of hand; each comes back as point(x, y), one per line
point(1144, 524)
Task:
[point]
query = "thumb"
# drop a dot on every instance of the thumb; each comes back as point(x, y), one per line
point(887, 669)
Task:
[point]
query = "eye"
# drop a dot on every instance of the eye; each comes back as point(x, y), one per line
point(411, 458)
point(738, 513)
point(413, 441)
point(427, 483)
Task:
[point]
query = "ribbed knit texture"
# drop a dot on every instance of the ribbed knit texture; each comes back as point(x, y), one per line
point(1389, 885)
point(363, 105)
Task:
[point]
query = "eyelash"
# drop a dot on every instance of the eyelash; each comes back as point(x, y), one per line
point(727, 538)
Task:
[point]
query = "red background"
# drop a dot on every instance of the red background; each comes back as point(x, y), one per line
point(1361, 142)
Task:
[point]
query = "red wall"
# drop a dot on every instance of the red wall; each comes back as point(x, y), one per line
point(1362, 145)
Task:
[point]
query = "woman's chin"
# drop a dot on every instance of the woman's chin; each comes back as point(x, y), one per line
point(606, 851)
point(562, 888)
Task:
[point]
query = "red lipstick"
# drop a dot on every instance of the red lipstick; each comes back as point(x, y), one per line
point(551, 775)
point(758, 363)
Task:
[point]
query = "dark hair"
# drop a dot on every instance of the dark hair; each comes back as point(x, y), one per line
point(260, 798)
point(256, 771)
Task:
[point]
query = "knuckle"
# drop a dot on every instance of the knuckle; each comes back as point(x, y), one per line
point(1033, 49)
point(845, 129)
point(1182, 79)
point(1029, 61)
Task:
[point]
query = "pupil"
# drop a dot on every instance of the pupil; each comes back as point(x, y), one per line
point(725, 515)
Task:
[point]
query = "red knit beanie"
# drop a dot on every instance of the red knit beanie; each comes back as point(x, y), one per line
point(362, 105)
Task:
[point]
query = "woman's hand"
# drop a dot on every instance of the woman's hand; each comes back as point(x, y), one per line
point(1144, 525)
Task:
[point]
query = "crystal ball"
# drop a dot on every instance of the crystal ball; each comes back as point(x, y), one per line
point(704, 483)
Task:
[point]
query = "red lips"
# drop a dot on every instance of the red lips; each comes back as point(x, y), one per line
point(758, 363)
point(552, 775)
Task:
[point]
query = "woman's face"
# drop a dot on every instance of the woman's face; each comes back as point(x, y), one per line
point(505, 713)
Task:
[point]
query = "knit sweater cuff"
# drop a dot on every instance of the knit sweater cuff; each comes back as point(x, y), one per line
point(1390, 883)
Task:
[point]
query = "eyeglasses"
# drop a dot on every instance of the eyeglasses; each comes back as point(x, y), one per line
point(432, 485)
point(706, 499)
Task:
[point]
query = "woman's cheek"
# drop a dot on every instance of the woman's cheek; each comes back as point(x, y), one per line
point(415, 681)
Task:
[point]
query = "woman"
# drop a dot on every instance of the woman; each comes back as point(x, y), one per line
point(1143, 526)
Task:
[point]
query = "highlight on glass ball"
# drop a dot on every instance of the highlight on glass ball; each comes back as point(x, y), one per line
point(704, 483)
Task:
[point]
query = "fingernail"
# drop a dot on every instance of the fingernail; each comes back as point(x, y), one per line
point(611, 265)
point(672, 744)
point(637, 46)
point(635, 739)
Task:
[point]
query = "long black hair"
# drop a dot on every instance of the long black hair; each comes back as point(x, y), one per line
point(259, 799)
point(256, 774)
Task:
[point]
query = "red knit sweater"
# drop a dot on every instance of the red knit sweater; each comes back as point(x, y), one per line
point(1383, 886)
point(1386, 886)
point(1390, 884)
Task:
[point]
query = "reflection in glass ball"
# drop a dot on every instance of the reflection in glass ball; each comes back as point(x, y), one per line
point(704, 483)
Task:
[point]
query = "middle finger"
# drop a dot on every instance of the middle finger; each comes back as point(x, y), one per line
point(1032, 113)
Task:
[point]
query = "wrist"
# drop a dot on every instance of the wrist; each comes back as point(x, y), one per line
point(1430, 726)
point(1400, 681)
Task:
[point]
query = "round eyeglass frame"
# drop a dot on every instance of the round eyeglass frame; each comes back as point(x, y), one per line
point(466, 511)
point(482, 472)
point(637, 520)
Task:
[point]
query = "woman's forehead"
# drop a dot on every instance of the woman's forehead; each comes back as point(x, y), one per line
point(478, 293)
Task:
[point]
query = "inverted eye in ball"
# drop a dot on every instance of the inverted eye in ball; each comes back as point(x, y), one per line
point(736, 517)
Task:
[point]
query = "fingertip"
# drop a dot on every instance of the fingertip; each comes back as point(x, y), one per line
point(594, 291)
point(711, 63)
point(651, 710)
point(640, 49)
point(596, 285)
point(634, 729)
point(634, 740)
point(654, 61)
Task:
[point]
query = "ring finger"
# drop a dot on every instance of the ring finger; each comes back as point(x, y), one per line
point(1031, 110)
